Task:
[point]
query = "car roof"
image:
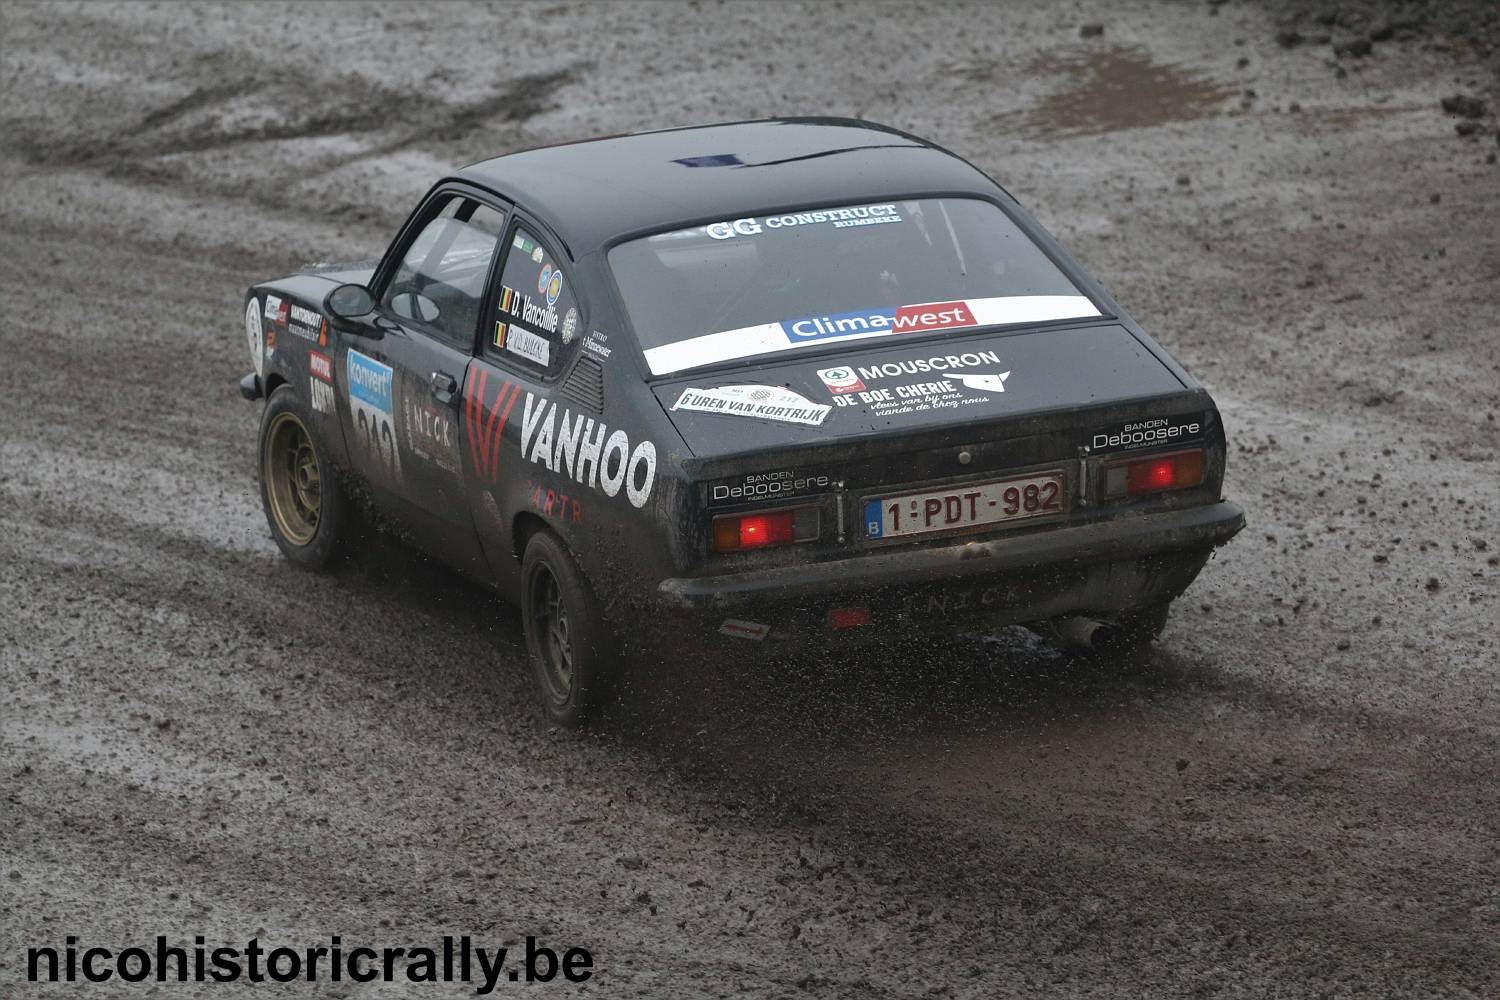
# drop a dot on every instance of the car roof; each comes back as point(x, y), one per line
point(595, 191)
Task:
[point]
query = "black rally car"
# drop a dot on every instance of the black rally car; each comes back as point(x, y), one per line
point(746, 385)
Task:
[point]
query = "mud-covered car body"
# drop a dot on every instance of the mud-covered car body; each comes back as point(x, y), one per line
point(553, 401)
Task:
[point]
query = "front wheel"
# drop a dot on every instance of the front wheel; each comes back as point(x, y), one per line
point(299, 489)
point(566, 638)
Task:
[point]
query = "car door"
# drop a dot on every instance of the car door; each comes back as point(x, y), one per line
point(405, 382)
point(530, 334)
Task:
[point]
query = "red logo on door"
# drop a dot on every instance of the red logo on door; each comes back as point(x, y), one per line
point(484, 422)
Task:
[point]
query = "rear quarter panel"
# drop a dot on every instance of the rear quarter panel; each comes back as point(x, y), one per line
point(589, 456)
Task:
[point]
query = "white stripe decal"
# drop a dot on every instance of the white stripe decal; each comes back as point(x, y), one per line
point(1030, 309)
point(770, 338)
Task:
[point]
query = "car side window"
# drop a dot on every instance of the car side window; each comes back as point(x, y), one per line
point(536, 310)
point(439, 285)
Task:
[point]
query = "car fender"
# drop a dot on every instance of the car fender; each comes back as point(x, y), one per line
point(299, 349)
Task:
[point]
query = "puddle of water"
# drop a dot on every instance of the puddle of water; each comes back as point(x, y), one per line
point(1113, 89)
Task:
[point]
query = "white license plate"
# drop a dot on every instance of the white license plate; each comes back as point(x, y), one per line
point(972, 505)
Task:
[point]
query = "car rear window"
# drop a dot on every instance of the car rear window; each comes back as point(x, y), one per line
point(742, 288)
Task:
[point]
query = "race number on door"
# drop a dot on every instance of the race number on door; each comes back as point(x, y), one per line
point(370, 411)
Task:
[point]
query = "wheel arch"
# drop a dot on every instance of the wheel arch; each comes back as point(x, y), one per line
point(524, 526)
point(527, 524)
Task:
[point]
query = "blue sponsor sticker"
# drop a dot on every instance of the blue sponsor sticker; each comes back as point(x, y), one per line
point(370, 394)
point(839, 325)
point(370, 382)
point(874, 520)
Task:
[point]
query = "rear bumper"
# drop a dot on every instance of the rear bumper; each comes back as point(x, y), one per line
point(1188, 533)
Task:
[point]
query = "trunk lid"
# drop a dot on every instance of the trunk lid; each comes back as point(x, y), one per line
point(978, 388)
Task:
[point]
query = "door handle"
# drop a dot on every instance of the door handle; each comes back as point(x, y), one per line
point(444, 386)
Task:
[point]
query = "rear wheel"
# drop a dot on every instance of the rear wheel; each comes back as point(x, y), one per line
point(567, 642)
point(299, 489)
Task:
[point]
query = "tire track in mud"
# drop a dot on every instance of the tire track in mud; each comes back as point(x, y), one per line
point(318, 121)
point(349, 105)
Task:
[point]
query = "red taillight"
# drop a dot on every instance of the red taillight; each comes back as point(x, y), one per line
point(1147, 477)
point(739, 532)
point(1178, 471)
point(765, 529)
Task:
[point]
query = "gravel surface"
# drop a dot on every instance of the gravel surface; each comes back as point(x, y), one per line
point(1298, 798)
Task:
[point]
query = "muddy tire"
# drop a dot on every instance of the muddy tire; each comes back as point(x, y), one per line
point(299, 489)
point(568, 645)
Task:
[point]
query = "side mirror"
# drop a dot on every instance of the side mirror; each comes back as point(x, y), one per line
point(348, 303)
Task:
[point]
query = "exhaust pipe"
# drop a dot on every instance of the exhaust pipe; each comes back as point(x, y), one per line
point(1084, 633)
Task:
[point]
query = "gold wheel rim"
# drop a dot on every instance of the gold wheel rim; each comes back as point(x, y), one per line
point(289, 466)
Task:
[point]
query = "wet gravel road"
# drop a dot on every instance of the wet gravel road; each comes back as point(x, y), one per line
point(1298, 798)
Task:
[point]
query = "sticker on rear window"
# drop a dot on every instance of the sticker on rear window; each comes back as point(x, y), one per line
point(838, 218)
point(811, 331)
point(902, 319)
